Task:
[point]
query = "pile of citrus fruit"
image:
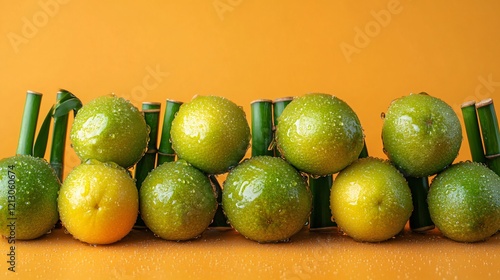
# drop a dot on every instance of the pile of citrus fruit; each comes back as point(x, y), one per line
point(265, 198)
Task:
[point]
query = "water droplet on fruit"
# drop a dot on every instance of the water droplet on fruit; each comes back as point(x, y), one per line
point(382, 115)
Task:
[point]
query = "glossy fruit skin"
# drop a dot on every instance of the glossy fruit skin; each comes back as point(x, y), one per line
point(211, 133)
point(319, 134)
point(421, 134)
point(28, 193)
point(177, 201)
point(370, 200)
point(110, 129)
point(266, 199)
point(98, 202)
point(464, 202)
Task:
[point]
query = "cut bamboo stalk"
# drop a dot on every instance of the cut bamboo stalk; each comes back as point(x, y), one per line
point(165, 151)
point(220, 220)
point(262, 127)
point(278, 107)
point(420, 219)
point(321, 215)
point(28, 123)
point(491, 134)
point(147, 163)
point(471, 123)
point(59, 141)
point(151, 106)
point(152, 116)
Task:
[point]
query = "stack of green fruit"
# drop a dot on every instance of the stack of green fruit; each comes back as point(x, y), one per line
point(210, 135)
point(321, 135)
point(266, 198)
point(422, 136)
point(98, 201)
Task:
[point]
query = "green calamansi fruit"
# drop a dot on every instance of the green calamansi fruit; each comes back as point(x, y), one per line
point(211, 133)
point(370, 200)
point(177, 201)
point(28, 197)
point(266, 199)
point(319, 134)
point(464, 202)
point(421, 134)
point(110, 129)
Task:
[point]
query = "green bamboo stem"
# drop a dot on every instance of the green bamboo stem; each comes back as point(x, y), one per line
point(321, 215)
point(165, 151)
point(278, 107)
point(420, 219)
point(220, 219)
point(364, 151)
point(59, 141)
point(494, 163)
point(147, 163)
point(152, 116)
point(262, 127)
point(151, 106)
point(491, 134)
point(28, 123)
point(471, 123)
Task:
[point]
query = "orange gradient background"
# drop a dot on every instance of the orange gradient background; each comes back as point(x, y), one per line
point(365, 52)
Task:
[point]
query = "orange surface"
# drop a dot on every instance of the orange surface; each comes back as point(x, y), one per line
point(365, 52)
point(228, 255)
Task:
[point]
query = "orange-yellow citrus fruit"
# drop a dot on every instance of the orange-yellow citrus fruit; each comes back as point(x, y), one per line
point(98, 202)
point(370, 200)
